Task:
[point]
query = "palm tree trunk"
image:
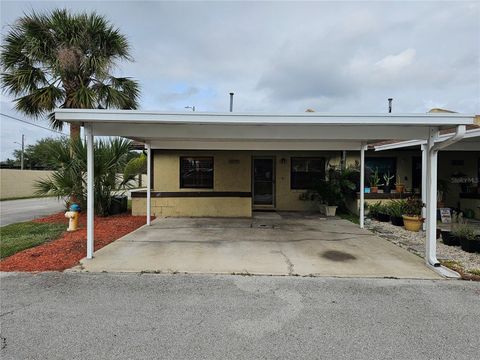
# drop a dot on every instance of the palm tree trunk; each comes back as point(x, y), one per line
point(74, 131)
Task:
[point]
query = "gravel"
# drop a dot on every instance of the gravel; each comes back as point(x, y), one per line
point(415, 242)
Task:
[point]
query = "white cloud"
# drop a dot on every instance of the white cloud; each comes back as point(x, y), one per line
point(398, 62)
point(289, 56)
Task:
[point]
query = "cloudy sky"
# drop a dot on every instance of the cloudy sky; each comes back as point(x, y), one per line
point(286, 56)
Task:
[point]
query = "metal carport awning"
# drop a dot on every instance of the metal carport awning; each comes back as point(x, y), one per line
point(253, 131)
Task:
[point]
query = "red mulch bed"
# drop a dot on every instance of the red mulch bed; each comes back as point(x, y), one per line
point(70, 247)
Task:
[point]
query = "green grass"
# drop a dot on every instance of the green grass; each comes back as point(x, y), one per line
point(350, 217)
point(21, 236)
point(452, 264)
point(474, 272)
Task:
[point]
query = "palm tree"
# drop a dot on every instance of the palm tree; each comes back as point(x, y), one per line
point(65, 60)
point(70, 181)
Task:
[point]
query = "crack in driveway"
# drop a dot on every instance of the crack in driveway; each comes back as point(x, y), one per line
point(289, 263)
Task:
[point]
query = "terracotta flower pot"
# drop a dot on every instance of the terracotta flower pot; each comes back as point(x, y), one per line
point(374, 189)
point(412, 223)
point(399, 188)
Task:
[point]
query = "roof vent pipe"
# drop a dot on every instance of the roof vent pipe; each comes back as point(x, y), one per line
point(390, 105)
point(231, 102)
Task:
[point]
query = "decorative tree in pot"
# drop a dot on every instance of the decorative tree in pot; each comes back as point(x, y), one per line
point(412, 217)
point(333, 191)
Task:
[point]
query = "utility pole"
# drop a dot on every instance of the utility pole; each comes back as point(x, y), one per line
point(23, 150)
point(190, 107)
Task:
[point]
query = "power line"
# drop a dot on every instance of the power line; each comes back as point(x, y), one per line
point(29, 123)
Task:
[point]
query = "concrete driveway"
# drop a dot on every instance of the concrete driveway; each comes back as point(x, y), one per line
point(268, 244)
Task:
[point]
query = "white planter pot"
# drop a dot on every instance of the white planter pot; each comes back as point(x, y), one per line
point(330, 210)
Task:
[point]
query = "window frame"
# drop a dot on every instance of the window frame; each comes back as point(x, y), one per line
point(181, 181)
point(389, 158)
point(293, 158)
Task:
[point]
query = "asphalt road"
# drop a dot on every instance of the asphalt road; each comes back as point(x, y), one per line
point(148, 316)
point(13, 211)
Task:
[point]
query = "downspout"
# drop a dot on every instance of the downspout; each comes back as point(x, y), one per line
point(459, 135)
point(431, 254)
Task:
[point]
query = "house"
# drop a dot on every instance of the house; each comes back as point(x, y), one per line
point(227, 164)
point(458, 169)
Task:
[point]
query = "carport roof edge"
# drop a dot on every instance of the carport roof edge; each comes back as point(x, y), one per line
point(92, 116)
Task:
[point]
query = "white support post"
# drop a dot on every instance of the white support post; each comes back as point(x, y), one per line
point(149, 185)
point(424, 182)
point(431, 208)
point(90, 190)
point(362, 185)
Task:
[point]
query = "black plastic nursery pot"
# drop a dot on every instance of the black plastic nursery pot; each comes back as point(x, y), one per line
point(470, 246)
point(383, 217)
point(396, 220)
point(118, 205)
point(449, 239)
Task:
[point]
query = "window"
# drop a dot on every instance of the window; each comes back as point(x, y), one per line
point(196, 172)
point(305, 172)
point(384, 165)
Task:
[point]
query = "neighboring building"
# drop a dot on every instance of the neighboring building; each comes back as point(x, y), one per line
point(458, 168)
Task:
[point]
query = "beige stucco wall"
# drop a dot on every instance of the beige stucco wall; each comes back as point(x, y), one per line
point(20, 183)
point(232, 172)
point(195, 207)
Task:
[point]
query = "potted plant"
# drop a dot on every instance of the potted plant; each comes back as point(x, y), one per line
point(373, 210)
point(333, 191)
point(449, 238)
point(399, 186)
point(387, 188)
point(467, 237)
point(396, 210)
point(374, 181)
point(383, 215)
point(412, 216)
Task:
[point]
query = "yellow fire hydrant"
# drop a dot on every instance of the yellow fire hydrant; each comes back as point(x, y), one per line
point(73, 215)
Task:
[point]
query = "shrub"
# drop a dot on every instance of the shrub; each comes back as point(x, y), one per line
point(463, 231)
point(413, 207)
point(397, 208)
point(383, 209)
point(70, 158)
point(374, 209)
point(336, 188)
